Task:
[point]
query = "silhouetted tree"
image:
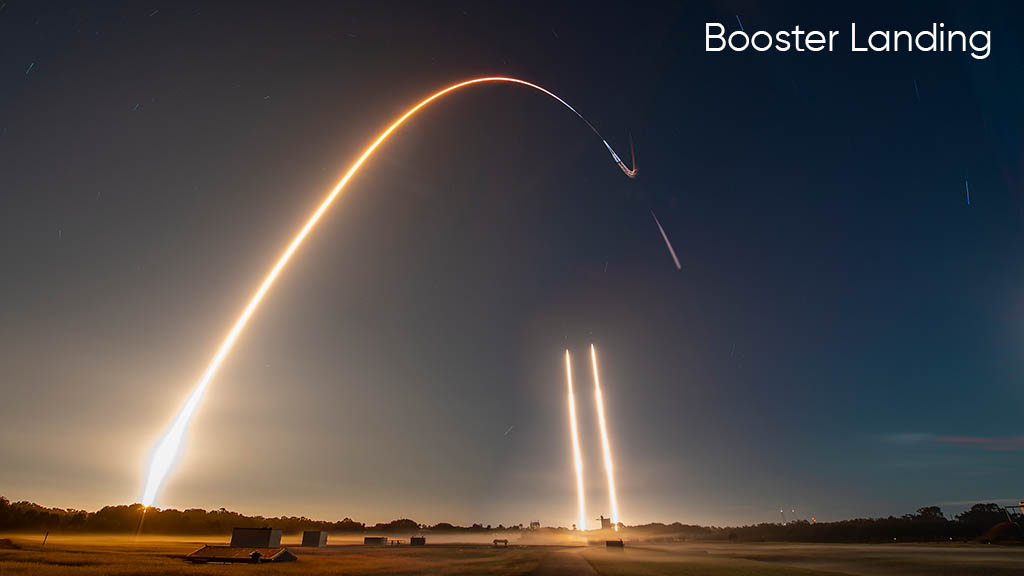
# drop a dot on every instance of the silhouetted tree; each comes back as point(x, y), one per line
point(982, 516)
point(401, 525)
point(928, 513)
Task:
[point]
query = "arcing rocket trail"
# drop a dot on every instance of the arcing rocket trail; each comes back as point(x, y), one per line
point(166, 451)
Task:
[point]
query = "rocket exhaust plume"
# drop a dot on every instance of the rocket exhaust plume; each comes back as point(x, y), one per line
point(165, 453)
point(605, 447)
point(576, 457)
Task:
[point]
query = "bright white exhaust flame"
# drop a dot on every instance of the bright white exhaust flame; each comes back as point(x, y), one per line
point(166, 451)
point(576, 456)
point(606, 448)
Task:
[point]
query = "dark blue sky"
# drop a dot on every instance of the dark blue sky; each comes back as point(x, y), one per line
point(844, 336)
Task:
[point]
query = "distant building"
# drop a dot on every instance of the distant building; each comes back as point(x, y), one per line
point(314, 538)
point(606, 523)
point(375, 540)
point(418, 541)
point(256, 537)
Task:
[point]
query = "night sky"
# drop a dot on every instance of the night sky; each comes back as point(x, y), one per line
point(844, 337)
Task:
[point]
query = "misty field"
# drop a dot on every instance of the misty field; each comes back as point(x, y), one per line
point(95, 555)
point(777, 559)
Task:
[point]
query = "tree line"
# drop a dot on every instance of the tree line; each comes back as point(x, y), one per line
point(29, 516)
point(981, 521)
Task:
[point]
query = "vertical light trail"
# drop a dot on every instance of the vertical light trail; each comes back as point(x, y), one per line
point(606, 448)
point(166, 451)
point(577, 458)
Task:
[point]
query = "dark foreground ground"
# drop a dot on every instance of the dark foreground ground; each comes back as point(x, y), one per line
point(85, 555)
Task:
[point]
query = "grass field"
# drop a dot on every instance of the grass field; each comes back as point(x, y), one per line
point(97, 555)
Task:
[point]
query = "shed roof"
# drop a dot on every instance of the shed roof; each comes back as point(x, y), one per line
point(240, 554)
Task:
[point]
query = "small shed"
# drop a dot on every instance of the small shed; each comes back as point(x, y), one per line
point(314, 538)
point(256, 537)
point(240, 555)
point(614, 543)
point(418, 541)
point(375, 540)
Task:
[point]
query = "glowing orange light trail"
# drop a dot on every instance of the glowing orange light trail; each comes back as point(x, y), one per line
point(613, 501)
point(165, 453)
point(576, 456)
